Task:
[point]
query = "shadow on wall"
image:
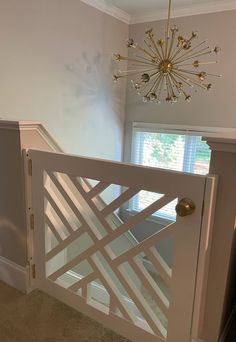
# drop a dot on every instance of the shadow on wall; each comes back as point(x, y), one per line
point(90, 85)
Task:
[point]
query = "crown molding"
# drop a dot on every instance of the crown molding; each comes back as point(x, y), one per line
point(195, 9)
point(184, 11)
point(115, 12)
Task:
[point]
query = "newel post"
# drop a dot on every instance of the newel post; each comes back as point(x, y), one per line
point(219, 292)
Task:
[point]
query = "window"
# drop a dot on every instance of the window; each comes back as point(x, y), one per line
point(171, 150)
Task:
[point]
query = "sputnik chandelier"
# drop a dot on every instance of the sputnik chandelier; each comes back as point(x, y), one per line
point(165, 69)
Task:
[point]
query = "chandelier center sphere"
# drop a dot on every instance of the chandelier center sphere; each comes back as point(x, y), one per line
point(165, 66)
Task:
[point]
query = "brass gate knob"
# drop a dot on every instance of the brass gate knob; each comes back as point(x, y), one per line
point(185, 207)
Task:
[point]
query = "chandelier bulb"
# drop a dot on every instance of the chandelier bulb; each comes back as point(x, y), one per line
point(130, 43)
point(188, 98)
point(217, 49)
point(146, 98)
point(153, 97)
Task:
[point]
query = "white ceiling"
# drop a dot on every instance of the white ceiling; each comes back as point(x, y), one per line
point(138, 11)
point(137, 7)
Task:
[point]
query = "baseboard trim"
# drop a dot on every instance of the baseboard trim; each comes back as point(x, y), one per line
point(14, 275)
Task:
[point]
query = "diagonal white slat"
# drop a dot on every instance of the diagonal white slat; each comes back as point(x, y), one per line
point(65, 243)
point(152, 282)
point(86, 292)
point(55, 220)
point(59, 209)
point(67, 195)
point(54, 231)
point(135, 295)
point(100, 187)
point(153, 290)
point(144, 246)
point(83, 282)
point(99, 245)
point(74, 262)
point(158, 265)
point(161, 261)
point(91, 204)
point(73, 203)
point(114, 307)
point(79, 201)
point(124, 197)
point(110, 286)
point(152, 208)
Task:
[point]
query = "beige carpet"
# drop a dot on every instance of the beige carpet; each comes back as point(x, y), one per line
point(40, 318)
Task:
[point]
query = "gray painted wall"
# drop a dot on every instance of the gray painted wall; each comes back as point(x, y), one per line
point(12, 205)
point(56, 65)
point(214, 108)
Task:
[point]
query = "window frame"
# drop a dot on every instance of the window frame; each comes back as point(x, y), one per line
point(193, 131)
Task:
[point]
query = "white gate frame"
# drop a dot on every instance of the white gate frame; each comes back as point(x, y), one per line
point(204, 257)
point(125, 328)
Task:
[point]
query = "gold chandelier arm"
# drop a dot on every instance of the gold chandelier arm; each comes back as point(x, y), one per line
point(162, 52)
point(160, 88)
point(127, 73)
point(153, 87)
point(171, 44)
point(140, 48)
point(134, 71)
point(175, 54)
point(183, 79)
point(176, 83)
point(180, 59)
point(150, 47)
point(168, 90)
point(199, 63)
point(190, 81)
point(122, 58)
point(195, 73)
point(143, 58)
point(195, 56)
point(158, 84)
point(213, 75)
point(171, 85)
point(155, 45)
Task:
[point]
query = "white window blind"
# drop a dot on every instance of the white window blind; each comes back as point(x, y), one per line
point(171, 151)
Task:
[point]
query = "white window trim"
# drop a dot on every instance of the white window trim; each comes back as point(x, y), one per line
point(182, 129)
point(172, 129)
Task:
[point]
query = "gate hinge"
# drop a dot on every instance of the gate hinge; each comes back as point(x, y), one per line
point(33, 271)
point(32, 221)
point(30, 167)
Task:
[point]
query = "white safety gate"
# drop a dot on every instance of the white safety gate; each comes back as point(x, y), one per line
point(87, 255)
